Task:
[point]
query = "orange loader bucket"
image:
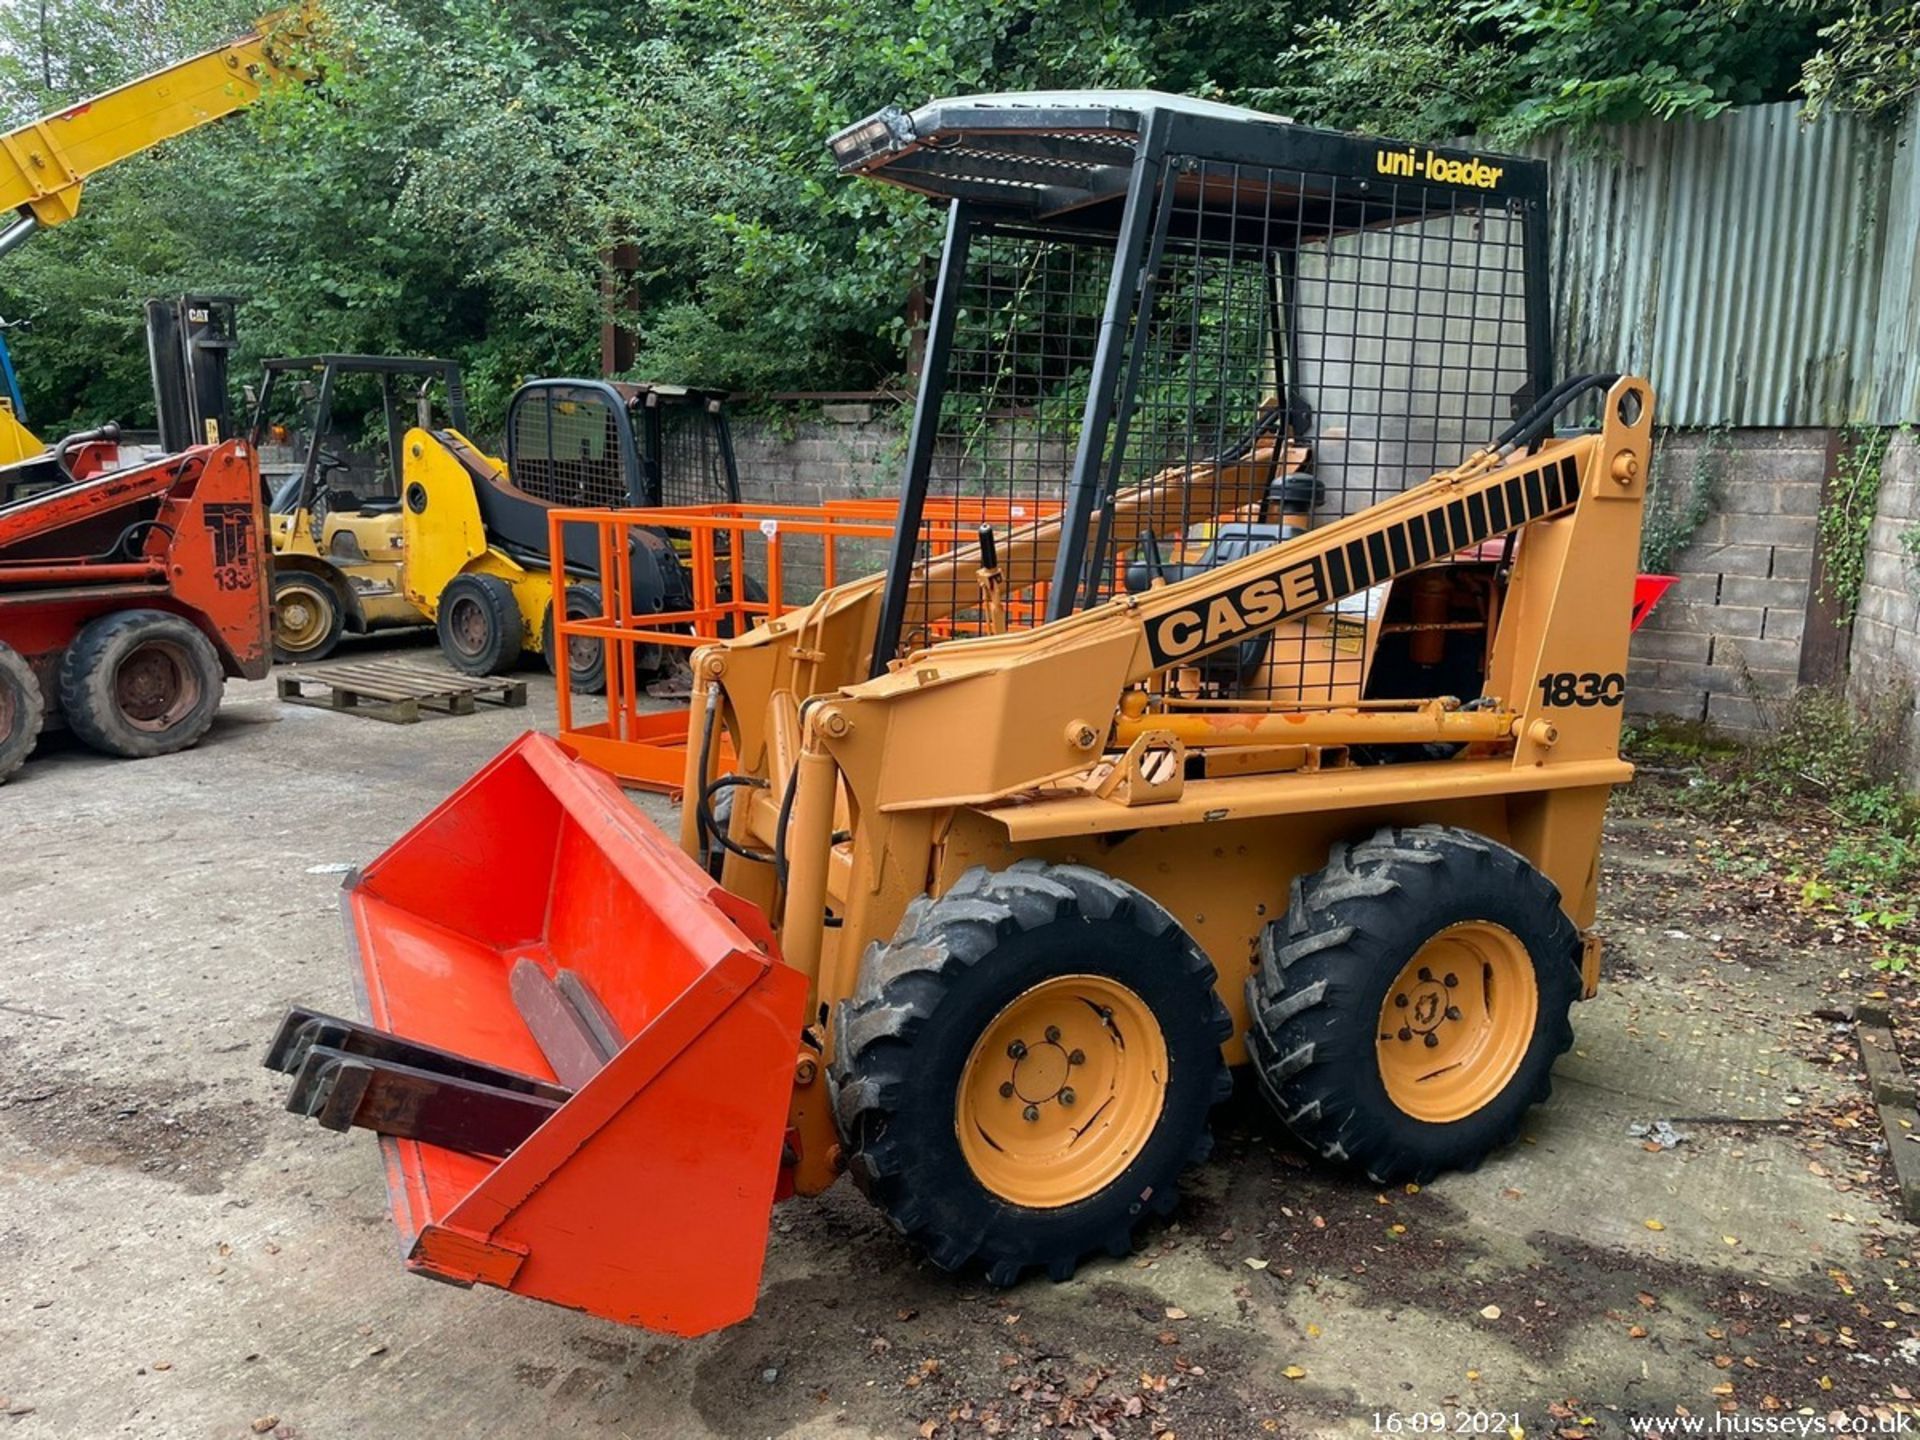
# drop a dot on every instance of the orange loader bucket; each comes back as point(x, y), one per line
point(580, 1053)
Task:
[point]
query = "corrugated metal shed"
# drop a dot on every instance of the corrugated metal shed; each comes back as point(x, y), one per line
point(1760, 270)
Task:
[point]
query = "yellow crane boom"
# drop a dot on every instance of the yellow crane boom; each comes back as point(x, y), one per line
point(44, 163)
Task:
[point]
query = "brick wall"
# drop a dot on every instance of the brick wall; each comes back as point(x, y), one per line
point(1886, 628)
point(1727, 638)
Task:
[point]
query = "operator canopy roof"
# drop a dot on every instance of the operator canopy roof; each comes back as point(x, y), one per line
point(1041, 155)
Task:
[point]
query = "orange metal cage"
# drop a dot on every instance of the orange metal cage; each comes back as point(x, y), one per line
point(648, 747)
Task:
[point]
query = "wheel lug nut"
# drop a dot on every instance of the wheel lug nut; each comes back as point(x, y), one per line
point(1451, 980)
point(1432, 1040)
point(1032, 1112)
point(1053, 1034)
point(1077, 1057)
point(1400, 1002)
point(1017, 1050)
point(1066, 1096)
point(1006, 1089)
point(1453, 1012)
point(1405, 1033)
point(1426, 974)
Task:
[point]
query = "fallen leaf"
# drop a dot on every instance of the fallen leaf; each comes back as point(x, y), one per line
point(1490, 1312)
point(1294, 1372)
point(1655, 1225)
point(265, 1423)
point(1636, 1332)
point(1725, 1387)
point(1313, 1331)
point(1729, 1239)
point(1174, 1312)
point(1254, 1263)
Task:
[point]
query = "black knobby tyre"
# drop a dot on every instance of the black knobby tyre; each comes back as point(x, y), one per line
point(307, 617)
point(139, 683)
point(478, 623)
point(586, 659)
point(954, 968)
point(22, 710)
point(1328, 979)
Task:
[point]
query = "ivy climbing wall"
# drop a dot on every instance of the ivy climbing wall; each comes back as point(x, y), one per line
point(1885, 655)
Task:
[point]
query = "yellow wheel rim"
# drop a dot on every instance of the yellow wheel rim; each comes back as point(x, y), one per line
point(1457, 1021)
point(1061, 1091)
point(301, 618)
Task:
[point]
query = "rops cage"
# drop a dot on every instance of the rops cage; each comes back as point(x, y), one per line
point(1188, 331)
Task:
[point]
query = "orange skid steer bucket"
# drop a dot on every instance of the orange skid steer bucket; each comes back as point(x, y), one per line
point(580, 1051)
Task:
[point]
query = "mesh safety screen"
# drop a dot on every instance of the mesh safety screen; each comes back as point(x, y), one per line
point(565, 447)
point(1299, 346)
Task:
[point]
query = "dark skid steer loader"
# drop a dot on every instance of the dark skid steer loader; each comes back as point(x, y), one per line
point(1302, 767)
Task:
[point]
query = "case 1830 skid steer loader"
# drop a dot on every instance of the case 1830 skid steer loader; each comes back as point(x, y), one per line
point(1304, 769)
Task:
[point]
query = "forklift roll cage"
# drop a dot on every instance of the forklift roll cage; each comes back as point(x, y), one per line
point(1129, 173)
point(389, 369)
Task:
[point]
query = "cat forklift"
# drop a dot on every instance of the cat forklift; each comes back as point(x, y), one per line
point(417, 525)
point(1301, 770)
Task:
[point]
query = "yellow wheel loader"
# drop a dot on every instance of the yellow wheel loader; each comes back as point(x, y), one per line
point(1301, 774)
point(437, 532)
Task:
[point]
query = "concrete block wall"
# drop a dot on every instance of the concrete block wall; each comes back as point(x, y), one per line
point(810, 455)
point(1727, 638)
point(1885, 657)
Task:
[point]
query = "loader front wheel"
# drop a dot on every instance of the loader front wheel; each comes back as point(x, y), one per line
point(1026, 1068)
point(1408, 1008)
point(22, 710)
point(307, 618)
point(479, 625)
point(139, 683)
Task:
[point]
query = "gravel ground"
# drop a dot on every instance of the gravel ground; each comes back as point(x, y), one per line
point(183, 1258)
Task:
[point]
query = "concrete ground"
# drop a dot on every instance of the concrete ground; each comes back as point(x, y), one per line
point(181, 1258)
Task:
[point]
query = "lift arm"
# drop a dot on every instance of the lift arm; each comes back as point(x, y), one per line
point(44, 163)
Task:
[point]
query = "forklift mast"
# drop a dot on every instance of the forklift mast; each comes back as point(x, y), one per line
point(190, 343)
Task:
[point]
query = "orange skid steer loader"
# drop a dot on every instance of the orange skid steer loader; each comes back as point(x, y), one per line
point(1301, 767)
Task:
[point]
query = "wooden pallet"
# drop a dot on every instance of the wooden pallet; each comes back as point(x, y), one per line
point(396, 692)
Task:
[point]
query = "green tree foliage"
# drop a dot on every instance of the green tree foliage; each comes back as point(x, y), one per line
point(1868, 61)
point(1510, 69)
point(458, 170)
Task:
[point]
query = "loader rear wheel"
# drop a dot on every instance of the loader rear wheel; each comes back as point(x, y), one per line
point(22, 710)
point(1408, 1008)
point(307, 618)
point(479, 625)
point(586, 659)
point(139, 683)
point(1023, 1072)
